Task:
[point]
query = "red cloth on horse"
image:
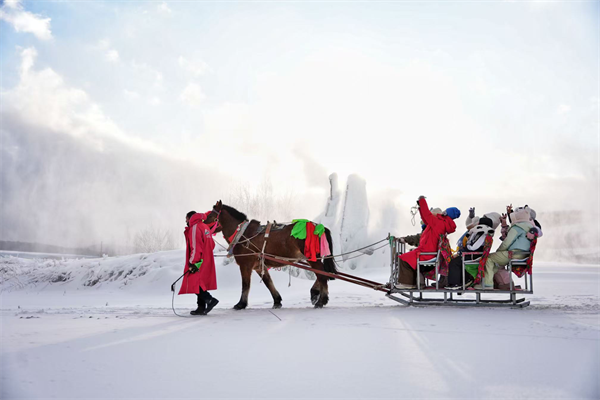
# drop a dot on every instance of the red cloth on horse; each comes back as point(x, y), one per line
point(311, 244)
point(199, 246)
point(436, 225)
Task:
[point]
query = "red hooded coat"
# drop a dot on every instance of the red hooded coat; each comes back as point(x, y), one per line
point(199, 246)
point(437, 225)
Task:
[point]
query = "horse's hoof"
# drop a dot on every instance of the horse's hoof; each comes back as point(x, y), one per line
point(239, 306)
point(276, 306)
point(319, 305)
point(314, 299)
point(325, 300)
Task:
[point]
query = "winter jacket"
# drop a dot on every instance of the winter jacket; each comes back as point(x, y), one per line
point(199, 246)
point(436, 225)
point(412, 240)
point(516, 238)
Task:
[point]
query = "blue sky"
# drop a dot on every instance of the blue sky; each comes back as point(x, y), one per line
point(414, 96)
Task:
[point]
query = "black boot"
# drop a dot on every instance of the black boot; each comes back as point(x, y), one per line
point(210, 305)
point(201, 308)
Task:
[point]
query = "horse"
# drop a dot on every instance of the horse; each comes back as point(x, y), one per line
point(280, 243)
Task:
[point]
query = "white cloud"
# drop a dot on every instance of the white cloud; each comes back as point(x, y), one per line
point(44, 99)
point(131, 95)
point(164, 9)
point(23, 21)
point(13, 4)
point(147, 72)
point(564, 109)
point(192, 95)
point(196, 68)
point(112, 55)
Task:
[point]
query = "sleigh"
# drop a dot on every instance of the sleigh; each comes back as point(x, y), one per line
point(428, 293)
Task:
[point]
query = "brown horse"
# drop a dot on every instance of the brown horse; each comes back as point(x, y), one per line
point(280, 243)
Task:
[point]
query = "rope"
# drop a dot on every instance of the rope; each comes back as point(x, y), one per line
point(413, 212)
point(378, 248)
point(173, 307)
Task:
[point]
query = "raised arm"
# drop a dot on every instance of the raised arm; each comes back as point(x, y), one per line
point(426, 215)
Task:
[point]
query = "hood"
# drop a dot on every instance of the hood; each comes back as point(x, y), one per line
point(196, 218)
point(449, 224)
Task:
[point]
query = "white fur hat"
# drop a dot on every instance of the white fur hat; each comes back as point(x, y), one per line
point(495, 217)
point(521, 214)
point(474, 222)
point(436, 210)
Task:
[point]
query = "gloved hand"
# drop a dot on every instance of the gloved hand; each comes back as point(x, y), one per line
point(195, 267)
point(532, 234)
point(472, 212)
point(402, 240)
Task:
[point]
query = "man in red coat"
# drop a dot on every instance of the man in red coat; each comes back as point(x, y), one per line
point(200, 274)
point(436, 225)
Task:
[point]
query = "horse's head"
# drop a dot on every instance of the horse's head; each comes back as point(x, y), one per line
point(213, 217)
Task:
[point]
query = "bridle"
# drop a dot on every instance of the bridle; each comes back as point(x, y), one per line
point(213, 226)
point(217, 224)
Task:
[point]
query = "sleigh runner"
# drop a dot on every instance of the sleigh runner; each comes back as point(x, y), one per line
point(424, 295)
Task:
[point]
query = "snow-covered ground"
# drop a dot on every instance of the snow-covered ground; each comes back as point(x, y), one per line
point(104, 328)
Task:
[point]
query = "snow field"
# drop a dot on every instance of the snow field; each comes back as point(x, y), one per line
point(120, 339)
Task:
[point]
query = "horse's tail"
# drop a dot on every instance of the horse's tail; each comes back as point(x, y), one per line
point(328, 261)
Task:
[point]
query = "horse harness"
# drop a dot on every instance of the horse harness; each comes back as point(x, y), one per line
point(236, 238)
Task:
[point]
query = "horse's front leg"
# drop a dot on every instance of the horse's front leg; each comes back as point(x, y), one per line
point(246, 271)
point(266, 278)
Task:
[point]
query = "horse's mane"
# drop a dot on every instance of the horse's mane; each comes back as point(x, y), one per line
point(235, 213)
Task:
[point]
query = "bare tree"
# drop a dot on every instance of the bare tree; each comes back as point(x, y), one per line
point(153, 239)
point(264, 203)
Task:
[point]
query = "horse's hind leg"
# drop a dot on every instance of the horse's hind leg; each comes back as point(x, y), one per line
point(321, 284)
point(266, 278)
point(315, 292)
point(246, 272)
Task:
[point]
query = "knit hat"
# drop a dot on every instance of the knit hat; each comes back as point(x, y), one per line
point(453, 212)
point(495, 217)
point(436, 211)
point(486, 221)
point(531, 212)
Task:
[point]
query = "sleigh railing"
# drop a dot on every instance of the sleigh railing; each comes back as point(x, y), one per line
point(436, 295)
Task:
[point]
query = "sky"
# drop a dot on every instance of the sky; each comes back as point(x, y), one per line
point(120, 115)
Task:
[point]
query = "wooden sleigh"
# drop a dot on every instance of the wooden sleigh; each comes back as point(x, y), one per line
point(425, 295)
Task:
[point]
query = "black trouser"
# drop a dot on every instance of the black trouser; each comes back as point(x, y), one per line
point(203, 298)
point(455, 271)
point(407, 275)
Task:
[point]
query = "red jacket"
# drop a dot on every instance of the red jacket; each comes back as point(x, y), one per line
point(436, 225)
point(199, 246)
